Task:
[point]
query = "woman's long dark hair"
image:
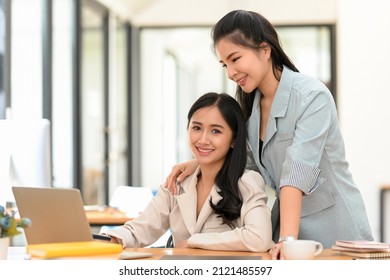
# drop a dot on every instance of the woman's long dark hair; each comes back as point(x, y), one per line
point(229, 207)
point(250, 29)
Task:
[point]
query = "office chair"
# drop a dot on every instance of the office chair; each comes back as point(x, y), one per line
point(170, 242)
point(131, 200)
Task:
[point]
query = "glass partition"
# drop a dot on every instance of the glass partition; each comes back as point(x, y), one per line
point(2, 52)
point(92, 105)
point(118, 101)
point(310, 48)
point(177, 66)
point(26, 57)
point(62, 132)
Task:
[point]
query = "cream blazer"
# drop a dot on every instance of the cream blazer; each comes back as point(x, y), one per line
point(252, 230)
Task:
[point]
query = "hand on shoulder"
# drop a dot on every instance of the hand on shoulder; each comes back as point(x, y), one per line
point(178, 174)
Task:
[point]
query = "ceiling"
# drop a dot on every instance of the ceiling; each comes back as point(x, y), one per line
point(129, 8)
point(207, 12)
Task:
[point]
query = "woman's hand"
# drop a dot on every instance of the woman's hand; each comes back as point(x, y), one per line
point(276, 252)
point(181, 244)
point(179, 173)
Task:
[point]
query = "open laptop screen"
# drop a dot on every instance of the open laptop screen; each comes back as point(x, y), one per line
point(57, 214)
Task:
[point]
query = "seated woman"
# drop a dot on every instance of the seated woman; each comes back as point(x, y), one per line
point(222, 206)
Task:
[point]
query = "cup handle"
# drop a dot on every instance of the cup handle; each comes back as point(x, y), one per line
point(319, 248)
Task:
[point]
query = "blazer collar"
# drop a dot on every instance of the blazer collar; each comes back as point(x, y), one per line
point(283, 93)
point(187, 201)
point(278, 108)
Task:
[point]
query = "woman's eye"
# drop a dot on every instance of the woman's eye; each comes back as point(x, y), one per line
point(235, 59)
point(195, 127)
point(216, 131)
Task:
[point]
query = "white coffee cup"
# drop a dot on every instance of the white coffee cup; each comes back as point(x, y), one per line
point(301, 249)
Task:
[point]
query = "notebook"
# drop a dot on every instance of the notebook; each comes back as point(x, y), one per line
point(360, 250)
point(362, 244)
point(57, 214)
point(73, 249)
point(367, 255)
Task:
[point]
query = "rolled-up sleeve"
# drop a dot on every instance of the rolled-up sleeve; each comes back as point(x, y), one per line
point(302, 176)
point(303, 157)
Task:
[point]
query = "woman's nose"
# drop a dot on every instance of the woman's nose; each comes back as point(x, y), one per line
point(204, 137)
point(231, 72)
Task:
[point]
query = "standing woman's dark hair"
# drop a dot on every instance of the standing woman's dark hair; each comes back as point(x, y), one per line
point(229, 206)
point(251, 30)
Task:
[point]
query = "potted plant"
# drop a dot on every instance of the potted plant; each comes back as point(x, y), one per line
point(9, 227)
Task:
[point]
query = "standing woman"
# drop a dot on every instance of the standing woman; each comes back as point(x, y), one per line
point(294, 137)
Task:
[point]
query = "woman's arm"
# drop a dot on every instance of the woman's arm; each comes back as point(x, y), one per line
point(290, 211)
point(179, 173)
point(290, 216)
point(147, 227)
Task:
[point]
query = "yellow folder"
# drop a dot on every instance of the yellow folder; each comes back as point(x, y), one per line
point(72, 249)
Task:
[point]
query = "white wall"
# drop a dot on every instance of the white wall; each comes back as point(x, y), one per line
point(364, 95)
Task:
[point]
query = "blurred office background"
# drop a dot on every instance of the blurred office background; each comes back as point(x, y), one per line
point(116, 79)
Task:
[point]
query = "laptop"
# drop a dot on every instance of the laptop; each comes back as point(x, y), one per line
point(57, 214)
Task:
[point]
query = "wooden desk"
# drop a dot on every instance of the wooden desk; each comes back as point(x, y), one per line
point(158, 253)
point(327, 254)
point(106, 216)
